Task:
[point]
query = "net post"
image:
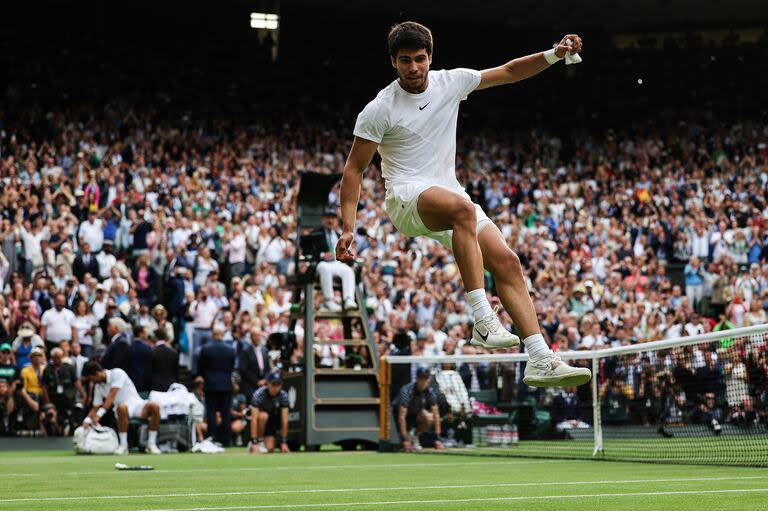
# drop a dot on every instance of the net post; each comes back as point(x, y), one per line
point(385, 380)
point(597, 424)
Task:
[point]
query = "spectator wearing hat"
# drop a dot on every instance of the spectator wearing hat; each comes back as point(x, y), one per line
point(58, 323)
point(269, 410)
point(329, 268)
point(85, 263)
point(24, 311)
point(32, 389)
point(165, 362)
point(417, 410)
point(25, 342)
point(215, 365)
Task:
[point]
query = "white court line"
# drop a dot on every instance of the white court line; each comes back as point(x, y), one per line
point(391, 488)
point(300, 467)
point(452, 501)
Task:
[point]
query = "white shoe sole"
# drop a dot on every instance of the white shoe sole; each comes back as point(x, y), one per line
point(578, 377)
point(479, 342)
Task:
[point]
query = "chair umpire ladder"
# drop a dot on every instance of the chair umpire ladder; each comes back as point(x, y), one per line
point(341, 405)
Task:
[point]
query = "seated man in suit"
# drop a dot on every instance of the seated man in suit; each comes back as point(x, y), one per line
point(329, 268)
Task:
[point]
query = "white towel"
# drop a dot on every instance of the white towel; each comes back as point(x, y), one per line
point(571, 58)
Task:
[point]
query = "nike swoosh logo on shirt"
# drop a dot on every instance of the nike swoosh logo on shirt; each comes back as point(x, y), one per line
point(423, 107)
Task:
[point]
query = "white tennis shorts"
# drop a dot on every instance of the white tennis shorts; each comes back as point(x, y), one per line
point(401, 206)
point(135, 406)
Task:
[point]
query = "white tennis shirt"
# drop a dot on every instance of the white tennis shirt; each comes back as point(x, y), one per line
point(416, 133)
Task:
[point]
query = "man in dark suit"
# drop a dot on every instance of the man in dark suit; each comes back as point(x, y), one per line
point(117, 354)
point(72, 293)
point(85, 263)
point(254, 364)
point(329, 268)
point(140, 359)
point(217, 361)
point(165, 363)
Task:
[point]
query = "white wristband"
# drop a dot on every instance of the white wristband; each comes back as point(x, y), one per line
point(100, 412)
point(551, 56)
point(87, 421)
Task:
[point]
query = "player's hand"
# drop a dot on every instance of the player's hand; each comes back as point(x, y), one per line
point(562, 47)
point(284, 448)
point(343, 253)
point(407, 446)
point(439, 445)
point(254, 449)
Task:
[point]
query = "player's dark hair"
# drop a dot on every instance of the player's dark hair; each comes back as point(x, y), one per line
point(90, 368)
point(409, 35)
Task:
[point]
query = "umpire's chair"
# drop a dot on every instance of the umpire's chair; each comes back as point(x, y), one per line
point(338, 403)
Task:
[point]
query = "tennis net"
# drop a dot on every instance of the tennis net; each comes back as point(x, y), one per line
point(700, 399)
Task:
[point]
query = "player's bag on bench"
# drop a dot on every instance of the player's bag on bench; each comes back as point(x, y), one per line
point(95, 440)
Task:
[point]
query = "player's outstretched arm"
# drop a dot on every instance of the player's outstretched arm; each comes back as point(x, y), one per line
point(528, 66)
point(358, 160)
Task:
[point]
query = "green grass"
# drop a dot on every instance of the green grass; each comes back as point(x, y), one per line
point(366, 481)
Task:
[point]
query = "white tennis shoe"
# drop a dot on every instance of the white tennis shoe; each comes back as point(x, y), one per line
point(553, 372)
point(330, 306)
point(122, 450)
point(153, 449)
point(488, 332)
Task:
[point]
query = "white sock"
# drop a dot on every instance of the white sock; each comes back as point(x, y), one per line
point(152, 438)
point(479, 303)
point(123, 439)
point(536, 347)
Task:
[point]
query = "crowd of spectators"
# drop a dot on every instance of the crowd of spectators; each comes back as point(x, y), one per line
point(122, 232)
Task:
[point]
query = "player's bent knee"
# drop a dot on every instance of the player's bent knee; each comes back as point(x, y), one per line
point(464, 215)
point(507, 267)
point(122, 408)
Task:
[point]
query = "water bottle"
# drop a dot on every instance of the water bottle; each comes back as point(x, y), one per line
point(506, 435)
